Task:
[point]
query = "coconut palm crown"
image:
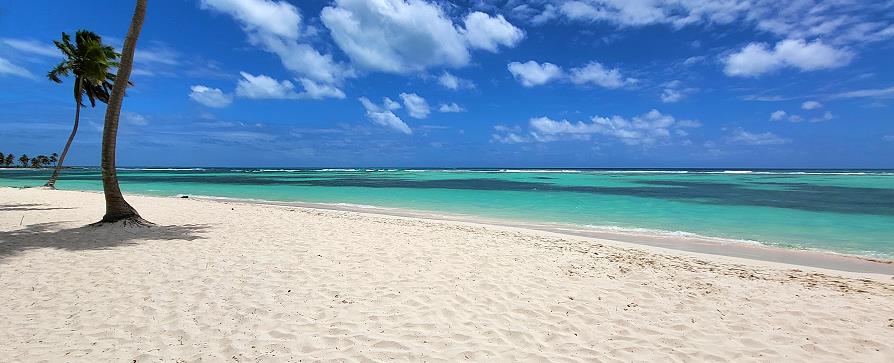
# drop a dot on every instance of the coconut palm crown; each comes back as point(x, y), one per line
point(90, 62)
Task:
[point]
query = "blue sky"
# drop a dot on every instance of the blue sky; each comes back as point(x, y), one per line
point(586, 83)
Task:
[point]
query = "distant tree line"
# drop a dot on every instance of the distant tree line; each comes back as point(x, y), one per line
point(39, 161)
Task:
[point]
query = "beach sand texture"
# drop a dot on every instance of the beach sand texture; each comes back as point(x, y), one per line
point(226, 281)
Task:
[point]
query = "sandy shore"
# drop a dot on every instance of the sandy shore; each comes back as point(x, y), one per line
point(227, 281)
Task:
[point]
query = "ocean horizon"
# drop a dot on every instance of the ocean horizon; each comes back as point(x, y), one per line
point(845, 211)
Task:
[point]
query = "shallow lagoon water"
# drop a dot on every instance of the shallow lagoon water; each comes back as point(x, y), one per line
point(846, 211)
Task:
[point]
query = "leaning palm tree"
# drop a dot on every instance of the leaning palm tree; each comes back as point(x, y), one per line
point(89, 61)
point(117, 209)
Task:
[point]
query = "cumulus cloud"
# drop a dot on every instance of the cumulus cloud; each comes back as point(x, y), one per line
point(7, 68)
point(315, 90)
point(596, 73)
point(532, 74)
point(265, 87)
point(383, 116)
point(416, 106)
point(452, 82)
point(451, 108)
point(263, 16)
point(778, 115)
point(811, 105)
point(756, 59)
point(391, 104)
point(275, 27)
point(403, 36)
point(485, 32)
point(211, 97)
point(649, 129)
point(742, 137)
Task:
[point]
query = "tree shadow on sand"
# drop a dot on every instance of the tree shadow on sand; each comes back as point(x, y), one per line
point(27, 207)
point(54, 235)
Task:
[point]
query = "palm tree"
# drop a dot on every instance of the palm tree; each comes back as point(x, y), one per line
point(24, 160)
point(35, 163)
point(117, 209)
point(2, 158)
point(89, 60)
point(9, 159)
point(54, 158)
point(43, 160)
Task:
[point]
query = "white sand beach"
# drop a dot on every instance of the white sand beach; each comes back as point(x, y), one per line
point(230, 281)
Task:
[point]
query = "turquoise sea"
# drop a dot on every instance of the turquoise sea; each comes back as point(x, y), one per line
point(846, 211)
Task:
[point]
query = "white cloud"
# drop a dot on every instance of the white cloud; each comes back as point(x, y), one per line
point(211, 97)
point(841, 22)
point(649, 129)
point(811, 105)
point(416, 106)
point(134, 118)
point(740, 136)
point(265, 87)
point(404, 36)
point(597, 74)
point(384, 117)
point(275, 27)
point(7, 68)
point(693, 60)
point(485, 32)
point(756, 59)
point(674, 92)
point(391, 104)
point(452, 82)
point(263, 16)
point(318, 91)
point(510, 138)
point(33, 47)
point(156, 55)
point(867, 93)
point(450, 108)
point(827, 116)
point(628, 13)
point(671, 95)
point(532, 74)
point(778, 115)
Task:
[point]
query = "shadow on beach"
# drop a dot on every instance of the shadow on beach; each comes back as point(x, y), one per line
point(27, 207)
point(54, 235)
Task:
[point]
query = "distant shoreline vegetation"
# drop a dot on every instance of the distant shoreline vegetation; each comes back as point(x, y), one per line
point(24, 161)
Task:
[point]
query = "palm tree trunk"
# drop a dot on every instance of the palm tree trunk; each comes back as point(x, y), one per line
point(117, 209)
point(58, 167)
